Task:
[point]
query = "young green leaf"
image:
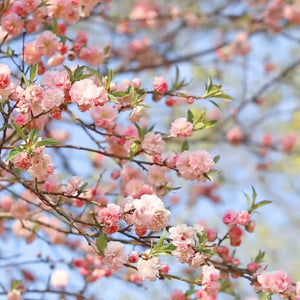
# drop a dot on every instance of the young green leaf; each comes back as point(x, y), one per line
point(13, 153)
point(133, 150)
point(101, 243)
point(47, 142)
point(19, 130)
point(33, 136)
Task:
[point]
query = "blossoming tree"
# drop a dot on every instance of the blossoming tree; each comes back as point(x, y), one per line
point(114, 117)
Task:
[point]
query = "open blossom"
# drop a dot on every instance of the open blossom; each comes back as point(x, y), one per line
point(274, 282)
point(243, 218)
point(41, 166)
point(86, 94)
point(105, 116)
point(156, 176)
point(153, 143)
point(59, 278)
point(181, 128)
point(110, 216)
point(67, 10)
point(73, 186)
point(22, 160)
point(57, 79)
point(52, 98)
point(47, 43)
point(4, 76)
point(114, 255)
point(31, 53)
point(160, 85)
point(210, 277)
point(193, 165)
point(29, 5)
point(150, 213)
point(148, 268)
point(93, 55)
point(12, 23)
point(183, 235)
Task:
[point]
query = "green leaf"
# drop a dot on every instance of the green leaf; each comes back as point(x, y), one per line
point(208, 84)
point(13, 153)
point(101, 243)
point(140, 130)
point(247, 198)
point(185, 146)
point(47, 142)
point(215, 103)
point(209, 176)
point(119, 94)
point(113, 98)
point(33, 71)
point(133, 150)
point(166, 249)
point(259, 257)
point(217, 158)
point(33, 136)
point(190, 117)
point(259, 204)
point(107, 49)
point(78, 73)
point(198, 126)
point(19, 130)
point(70, 73)
point(82, 187)
point(96, 74)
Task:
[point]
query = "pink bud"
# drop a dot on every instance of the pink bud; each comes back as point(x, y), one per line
point(252, 267)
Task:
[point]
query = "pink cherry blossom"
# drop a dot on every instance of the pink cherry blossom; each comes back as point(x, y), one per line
point(52, 98)
point(105, 116)
point(86, 94)
point(210, 276)
point(114, 255)
point(93, 55)
point(110, 216)
point(57, 79)
point(181, 128)
point(4, 76)
point(274, 282)
point(12, 23)
point(59, 278)
point(235, 136)
point(243, 217)
point(18, 210)
point(46, 43)
point(41, 166)
point(22, 160)
point(73, 185)
point(148, 268)
point(67, 10)
point(160, 85)
point(31, 53)
point(235, 232)
point(183, 235)
point(150, 213)
point(230, 217)
point(153, 143)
